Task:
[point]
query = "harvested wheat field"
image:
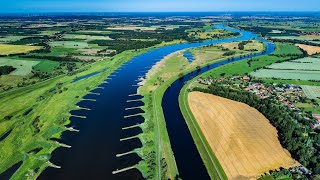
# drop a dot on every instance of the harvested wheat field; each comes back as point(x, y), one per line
point(7, 49)
point(242, 139)
point(311, 50)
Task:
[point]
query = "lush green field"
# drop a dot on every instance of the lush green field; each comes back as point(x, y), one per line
point(250, 65)
point(8, 39)
point(287, 49)
point(46, 66)
point(304, 69)
point(85, 37)
point(291, 81)
point(23, 67)
point(6, 49)
point(287, 74)
point(69, 44)
point(312, 92)
point(299, 64)
point(303, 38)
point(47, 118)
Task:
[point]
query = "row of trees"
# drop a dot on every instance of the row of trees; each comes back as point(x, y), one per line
point(242, 44)
point(294, 130)
point(6, 70)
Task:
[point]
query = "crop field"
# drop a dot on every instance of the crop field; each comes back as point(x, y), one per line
point(206, 54)
point(85, 37)
point(6, 49)
point(312, 92)
point(303, 38)
point(48, 33)
point(287, 74)
point(23, 67)
point(243, 140)
point(300, 69)
point(299, 64)
point(7, 39)
point(69, 44)
point(94, 32)
point(310, 49)
point(254, 45)
point(46, 66)
point(284, 48)
point(132, 28)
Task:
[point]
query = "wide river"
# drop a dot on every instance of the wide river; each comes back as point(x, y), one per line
point(94, 148)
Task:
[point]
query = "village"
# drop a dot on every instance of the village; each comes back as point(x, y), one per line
point(287, 94)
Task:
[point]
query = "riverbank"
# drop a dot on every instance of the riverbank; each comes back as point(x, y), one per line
point(239, 68)
point(158, 80)
point(33, 117)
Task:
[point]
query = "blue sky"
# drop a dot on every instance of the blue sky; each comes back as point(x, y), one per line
point(156, 5)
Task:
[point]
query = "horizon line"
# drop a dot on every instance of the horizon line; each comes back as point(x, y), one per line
point(84, 12)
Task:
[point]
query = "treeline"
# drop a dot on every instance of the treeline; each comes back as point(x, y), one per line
point(229, 53)
point(161, 35)
point(123, 45)
point(68, 58)
point(266, 31)
point(242, 44)
point(294, 130)
point(295, 41)
point(6, 70)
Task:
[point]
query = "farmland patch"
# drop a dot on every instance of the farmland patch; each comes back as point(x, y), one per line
point(6, 49)
point(69, 44)
point(243, 140)
point(23, 67)
point(310, 49)
point(312, 92)
point(287, 74)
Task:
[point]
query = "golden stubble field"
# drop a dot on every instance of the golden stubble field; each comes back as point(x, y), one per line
point(7, 49)
point(311, 50)
point(242, 139)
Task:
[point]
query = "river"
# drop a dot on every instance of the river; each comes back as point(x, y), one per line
point(94, 147)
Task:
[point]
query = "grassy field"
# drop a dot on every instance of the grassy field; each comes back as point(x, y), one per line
point(302, 37)
point(132, 27)
point(85, 37)
point(47, 118)
point(207, 32)
point(299, 64)
point(300, 69)
point(243, 67)
point(69, 44)
point(287, 74)
point(285, 49)
point(243, 140)
point(312, 92)
point(23, 67)
point(6, 49)
point(46, 66)
point(7, 39)
point(291, 81)
point(310, 49)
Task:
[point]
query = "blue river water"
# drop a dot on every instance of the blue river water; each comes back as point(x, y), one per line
point(94, 147)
